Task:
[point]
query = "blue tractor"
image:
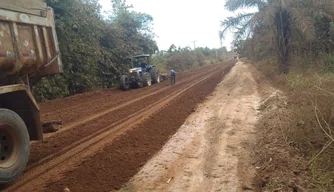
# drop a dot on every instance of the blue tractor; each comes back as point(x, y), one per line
point(141, 74)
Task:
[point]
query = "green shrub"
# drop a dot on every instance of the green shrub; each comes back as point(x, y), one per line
point(328, 64)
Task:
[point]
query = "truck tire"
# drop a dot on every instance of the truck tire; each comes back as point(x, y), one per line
point(155, 76)
point(125, 85)
point(146, 79)
point(14, 146)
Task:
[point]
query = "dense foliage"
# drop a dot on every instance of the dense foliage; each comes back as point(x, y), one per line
point(94, 49)
point(289, 30)
point(181, 59)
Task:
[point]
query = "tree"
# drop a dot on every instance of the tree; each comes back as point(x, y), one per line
point(137, 27)
point(324, 34)
point(283, 18)
point(172, 48)
point(94, 50)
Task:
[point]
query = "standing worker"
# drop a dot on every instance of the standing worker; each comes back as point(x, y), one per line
point(172, 76)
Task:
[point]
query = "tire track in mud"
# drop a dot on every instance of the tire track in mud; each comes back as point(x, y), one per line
point(92, 102)
point(119, 160)
point(83, 129)
point(83, 144)
point(105, 108)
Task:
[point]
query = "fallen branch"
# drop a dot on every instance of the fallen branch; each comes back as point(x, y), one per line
point(169, 180)
point(322, 150)
point(192, 157)
point(177, 153)
point(328, 144)
point(318, 120)
point(324, 90)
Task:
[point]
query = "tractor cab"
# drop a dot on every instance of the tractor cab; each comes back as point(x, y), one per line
point(140, 63)
point(141, 74)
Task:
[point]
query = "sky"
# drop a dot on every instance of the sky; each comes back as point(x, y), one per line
point(180, 22)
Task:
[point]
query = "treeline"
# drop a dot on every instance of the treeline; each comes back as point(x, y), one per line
point(94, 49)
point(298, 33)
point(181, 59)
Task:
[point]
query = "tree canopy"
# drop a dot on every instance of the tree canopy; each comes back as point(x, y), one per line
point(290, 26)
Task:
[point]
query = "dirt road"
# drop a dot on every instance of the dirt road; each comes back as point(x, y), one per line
point(107, 136)
point(210, 150)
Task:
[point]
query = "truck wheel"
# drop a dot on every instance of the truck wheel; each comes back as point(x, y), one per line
point(146, 79)
point(14, 146)
point(155, 76)
point(125, 85)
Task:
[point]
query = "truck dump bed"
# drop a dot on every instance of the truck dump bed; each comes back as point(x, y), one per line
point(28, 41)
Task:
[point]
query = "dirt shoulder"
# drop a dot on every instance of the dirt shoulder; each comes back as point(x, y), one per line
point(211, 150)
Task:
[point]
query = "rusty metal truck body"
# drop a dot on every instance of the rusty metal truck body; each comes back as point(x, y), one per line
point(28, 51)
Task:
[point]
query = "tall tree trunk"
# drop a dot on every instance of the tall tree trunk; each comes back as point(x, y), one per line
point(282, 22)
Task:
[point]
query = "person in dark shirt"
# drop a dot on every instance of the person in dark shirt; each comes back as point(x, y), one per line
point(143, 66)
point(172, 76)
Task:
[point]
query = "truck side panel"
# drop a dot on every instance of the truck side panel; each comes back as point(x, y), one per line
point(32, 7)
point(28, 44)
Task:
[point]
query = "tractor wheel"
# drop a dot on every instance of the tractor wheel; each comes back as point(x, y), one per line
point(14, 146)
point(146, 79)
point(155, 76)
point(125, 85)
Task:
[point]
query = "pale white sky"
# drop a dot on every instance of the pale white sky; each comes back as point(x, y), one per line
point(180, 22)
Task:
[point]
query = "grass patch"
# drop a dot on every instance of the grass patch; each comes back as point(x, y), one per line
point(295, 147)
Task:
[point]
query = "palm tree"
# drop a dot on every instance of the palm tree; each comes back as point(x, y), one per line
point(283, 17)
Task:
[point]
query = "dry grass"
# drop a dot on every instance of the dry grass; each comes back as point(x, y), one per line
point(311, 128)
point(296, 137)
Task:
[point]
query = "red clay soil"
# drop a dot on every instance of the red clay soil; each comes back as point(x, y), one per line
point(118, 162)
point(56, 143)
point(74, 108)
point(79, 106)
point(62, 103)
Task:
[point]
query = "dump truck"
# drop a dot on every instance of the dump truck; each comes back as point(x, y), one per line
point(28, 51)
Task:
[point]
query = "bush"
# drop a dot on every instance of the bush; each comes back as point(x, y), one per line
point(182, 59)
point(51, 88)
point(328, 64)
